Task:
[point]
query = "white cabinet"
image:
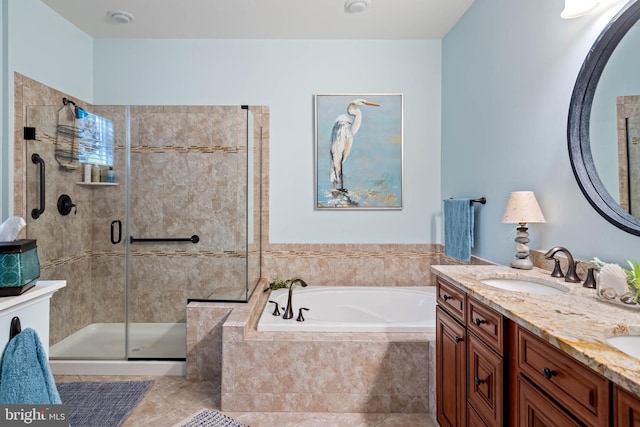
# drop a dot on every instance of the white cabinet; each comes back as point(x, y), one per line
point(32, 308)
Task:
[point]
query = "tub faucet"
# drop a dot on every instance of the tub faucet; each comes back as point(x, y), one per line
point(288, 312)
point(571, 275)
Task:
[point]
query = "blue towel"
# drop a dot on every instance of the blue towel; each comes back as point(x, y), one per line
point(25, 376)
point(458, 228)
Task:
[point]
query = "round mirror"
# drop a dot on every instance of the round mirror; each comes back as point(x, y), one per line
point(604, 122)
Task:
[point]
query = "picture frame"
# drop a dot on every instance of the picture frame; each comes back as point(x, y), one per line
point(358, 151)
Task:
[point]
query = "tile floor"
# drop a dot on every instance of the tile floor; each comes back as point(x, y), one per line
point(173, 399)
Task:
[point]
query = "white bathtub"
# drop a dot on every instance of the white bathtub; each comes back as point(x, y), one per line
point(354, 309)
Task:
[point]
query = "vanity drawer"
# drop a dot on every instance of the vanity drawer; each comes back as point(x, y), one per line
point(452, 299)
point(486, 323)
point(574, 386)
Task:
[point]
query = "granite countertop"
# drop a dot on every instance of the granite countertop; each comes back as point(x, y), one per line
point(576, 322)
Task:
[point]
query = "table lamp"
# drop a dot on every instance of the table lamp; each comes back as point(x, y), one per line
point(522, 208)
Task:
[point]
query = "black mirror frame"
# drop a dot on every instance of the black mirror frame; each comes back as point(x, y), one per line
point(579, 117)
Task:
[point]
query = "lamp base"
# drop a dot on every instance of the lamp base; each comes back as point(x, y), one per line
point(522, 264)
point(522, 260)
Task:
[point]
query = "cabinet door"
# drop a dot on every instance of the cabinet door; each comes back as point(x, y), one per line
point(485, 378)
point(626, 408)
point(450, 370)
point(535, 409)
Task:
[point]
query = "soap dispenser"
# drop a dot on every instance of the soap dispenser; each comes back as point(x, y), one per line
point(111, 176)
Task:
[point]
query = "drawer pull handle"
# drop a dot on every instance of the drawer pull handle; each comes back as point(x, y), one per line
point(446, 297)
point(479, 321)
point(457, 339)
point(478, 381)
point(548, 373)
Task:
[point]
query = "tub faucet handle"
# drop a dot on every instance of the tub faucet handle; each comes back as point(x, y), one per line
point(300, 316)
point(276, 312)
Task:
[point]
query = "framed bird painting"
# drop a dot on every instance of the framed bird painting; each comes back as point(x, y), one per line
point(358, 140)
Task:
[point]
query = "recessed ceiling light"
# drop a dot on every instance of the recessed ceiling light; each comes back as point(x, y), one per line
point(356, 6)
point(119, 17)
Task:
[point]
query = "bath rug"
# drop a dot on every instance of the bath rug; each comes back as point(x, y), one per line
point(209, 418)
point(101, 404)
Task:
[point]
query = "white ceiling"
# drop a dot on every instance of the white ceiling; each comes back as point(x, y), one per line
point(265, 19)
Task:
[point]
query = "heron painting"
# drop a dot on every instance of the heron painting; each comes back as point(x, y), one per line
point(366, 130)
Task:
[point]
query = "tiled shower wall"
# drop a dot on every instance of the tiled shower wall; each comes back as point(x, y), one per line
point(64, 242)
point(188, 177)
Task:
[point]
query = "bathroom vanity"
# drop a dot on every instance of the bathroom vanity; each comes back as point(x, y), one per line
point(506, 357)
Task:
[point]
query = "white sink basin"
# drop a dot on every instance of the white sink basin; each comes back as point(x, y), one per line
point(629, 344)
point(525, 286)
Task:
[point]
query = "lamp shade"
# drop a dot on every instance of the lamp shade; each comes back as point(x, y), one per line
point(577, 8)
point(522, 208)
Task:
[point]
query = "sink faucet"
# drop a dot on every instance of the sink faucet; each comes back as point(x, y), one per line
point(288, 312)
point(571, 275)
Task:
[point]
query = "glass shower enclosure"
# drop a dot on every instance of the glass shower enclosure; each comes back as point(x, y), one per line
point(179, 222)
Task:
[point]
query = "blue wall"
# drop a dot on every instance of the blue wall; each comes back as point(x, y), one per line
point(285, 75)
point(508, 72)
point(41, 45)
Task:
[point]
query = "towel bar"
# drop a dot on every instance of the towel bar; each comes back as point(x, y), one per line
point(481, 200)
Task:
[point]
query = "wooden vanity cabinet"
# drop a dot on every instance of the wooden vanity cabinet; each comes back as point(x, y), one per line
point(626, 408)
point(470, 339)
point(492, 372)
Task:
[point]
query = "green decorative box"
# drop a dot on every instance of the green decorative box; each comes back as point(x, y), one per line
point(19, 266)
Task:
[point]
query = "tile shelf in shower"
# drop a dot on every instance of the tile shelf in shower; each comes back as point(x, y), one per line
point(96, 184)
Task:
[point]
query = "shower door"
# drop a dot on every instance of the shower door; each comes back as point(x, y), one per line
point(87, 319)
point(181, 222)
point(187, 220)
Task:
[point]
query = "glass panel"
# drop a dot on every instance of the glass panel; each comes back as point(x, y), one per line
point(88, 315)
point(254, 200)
point(188, 178)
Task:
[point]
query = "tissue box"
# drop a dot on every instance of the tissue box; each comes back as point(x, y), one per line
point(19, 266)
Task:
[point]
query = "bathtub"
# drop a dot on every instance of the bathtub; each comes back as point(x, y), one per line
point(354, 309)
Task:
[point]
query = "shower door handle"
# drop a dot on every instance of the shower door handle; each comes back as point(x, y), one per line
point(113, 235)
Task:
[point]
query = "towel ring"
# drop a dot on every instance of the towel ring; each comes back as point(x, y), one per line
point(15, 327)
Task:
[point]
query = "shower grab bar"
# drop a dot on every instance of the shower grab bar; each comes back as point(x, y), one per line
point(35, 213)
point(192, 239)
